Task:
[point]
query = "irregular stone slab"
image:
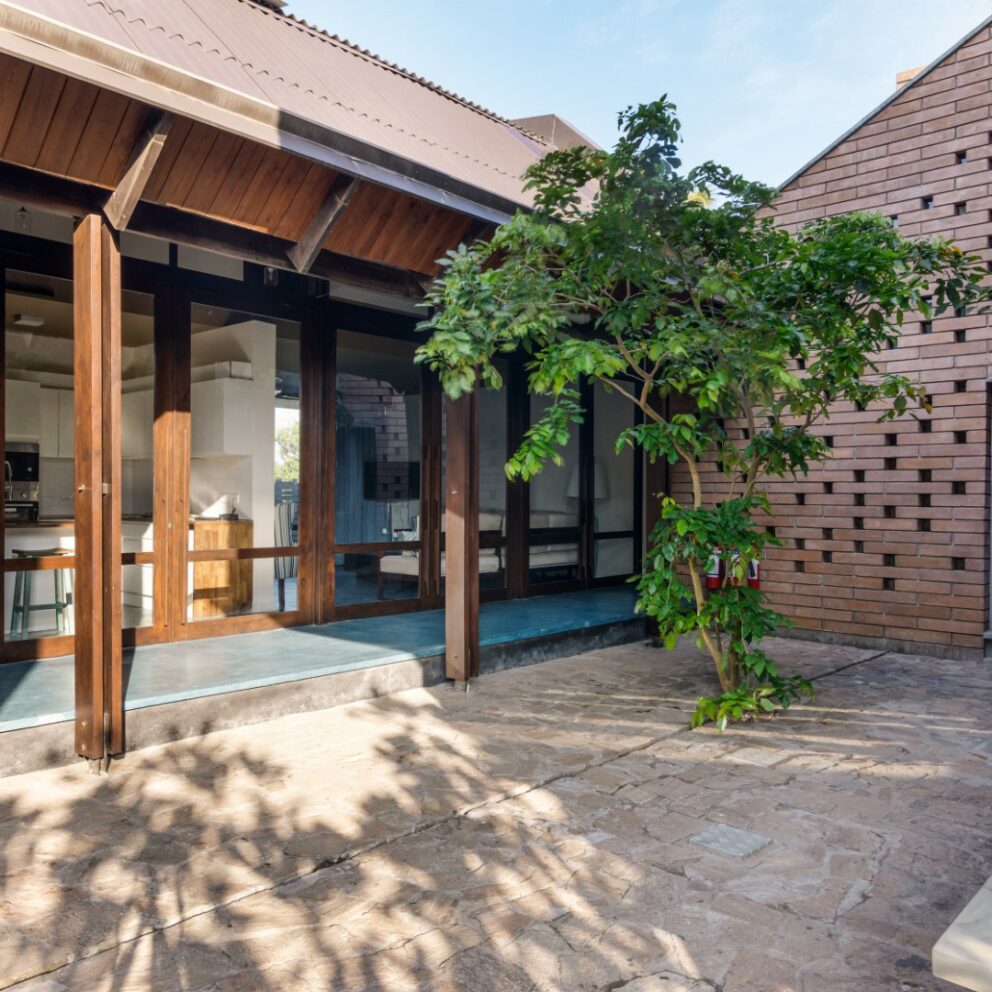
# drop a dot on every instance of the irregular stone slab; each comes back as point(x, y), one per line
point(730, 840)
point(764, 757)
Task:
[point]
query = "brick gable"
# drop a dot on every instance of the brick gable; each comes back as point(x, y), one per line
point(887, 543)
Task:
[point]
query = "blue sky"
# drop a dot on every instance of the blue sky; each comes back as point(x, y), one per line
point(761, 85)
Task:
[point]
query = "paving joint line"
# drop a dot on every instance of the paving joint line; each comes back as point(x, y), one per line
point(850, 664)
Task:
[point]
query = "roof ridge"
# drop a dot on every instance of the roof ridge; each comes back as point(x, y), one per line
point(328, 37)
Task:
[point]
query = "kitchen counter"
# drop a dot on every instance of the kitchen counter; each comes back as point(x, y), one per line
point(45, 523)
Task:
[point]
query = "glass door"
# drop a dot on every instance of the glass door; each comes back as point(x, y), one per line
point(39, 466)
point(379, 520)
point(554, 516)
point(140, 552)
point(247, 535)
point(616, 489)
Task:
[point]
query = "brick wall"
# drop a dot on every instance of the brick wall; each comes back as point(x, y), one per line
point(888, 541)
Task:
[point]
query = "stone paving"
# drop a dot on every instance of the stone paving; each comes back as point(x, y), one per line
point(557, 828)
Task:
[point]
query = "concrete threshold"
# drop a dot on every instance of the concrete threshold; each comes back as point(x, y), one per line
point(51, 745)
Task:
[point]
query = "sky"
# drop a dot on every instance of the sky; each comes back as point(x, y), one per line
point(762, 86)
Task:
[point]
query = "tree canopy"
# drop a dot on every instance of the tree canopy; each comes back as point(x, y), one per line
point(671, 284)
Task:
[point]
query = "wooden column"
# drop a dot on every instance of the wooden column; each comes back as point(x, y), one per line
point(97, 587)
point(461, 590)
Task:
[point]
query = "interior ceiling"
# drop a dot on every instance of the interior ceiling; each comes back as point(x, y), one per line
point(76, 131)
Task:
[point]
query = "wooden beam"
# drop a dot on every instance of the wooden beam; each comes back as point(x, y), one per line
point(97, 590)
point(304, 253)
point(461, 590)
point(120, 206)
point(72, 199)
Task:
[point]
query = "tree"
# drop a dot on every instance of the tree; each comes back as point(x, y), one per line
point(288, 452)
point(675, 289)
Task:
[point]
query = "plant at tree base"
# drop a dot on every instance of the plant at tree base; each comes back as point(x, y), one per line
point(675, 289)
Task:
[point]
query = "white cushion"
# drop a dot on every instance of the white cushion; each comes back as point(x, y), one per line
point(488, 520)
point(543, 557)
point(553, 518)
point(400, 565)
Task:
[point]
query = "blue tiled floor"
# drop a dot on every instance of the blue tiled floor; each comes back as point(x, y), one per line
point(39, 692)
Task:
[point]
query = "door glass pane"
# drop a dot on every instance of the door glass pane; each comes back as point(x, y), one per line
point(553, 532)
point(38, 602)
point(137, 447)
point(377, 452)
point(613, 557)
point(377, 467)
point(371, 577)
point(613, 474)
point(136, 592)
point(492, 484)
point(492, 487)
point(245, 460)
point(39, 466)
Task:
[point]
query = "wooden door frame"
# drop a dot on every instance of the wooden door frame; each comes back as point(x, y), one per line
point(98, 654)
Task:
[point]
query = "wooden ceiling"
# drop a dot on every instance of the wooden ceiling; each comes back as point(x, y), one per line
point(76, 131)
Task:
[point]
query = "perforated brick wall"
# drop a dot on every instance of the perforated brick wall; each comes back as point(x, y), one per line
point(888, 542)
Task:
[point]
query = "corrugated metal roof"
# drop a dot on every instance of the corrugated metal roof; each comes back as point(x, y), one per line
point(281, 61)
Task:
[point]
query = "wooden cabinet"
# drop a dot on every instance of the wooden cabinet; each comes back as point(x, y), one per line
point(22, 405)
point(221, 588)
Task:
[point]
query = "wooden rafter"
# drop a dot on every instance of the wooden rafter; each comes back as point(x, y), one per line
point(122, 202)
point(67, 198)
point(304, 253)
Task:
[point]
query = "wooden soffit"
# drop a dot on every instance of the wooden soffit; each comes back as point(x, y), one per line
point(74, 130)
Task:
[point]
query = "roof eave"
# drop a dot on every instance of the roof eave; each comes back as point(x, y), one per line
point(40, 40)
point(891, 98)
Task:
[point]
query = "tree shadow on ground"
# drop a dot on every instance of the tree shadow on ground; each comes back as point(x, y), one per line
point(539, 838)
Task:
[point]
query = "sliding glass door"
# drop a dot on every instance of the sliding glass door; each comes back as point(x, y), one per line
point(380, 522)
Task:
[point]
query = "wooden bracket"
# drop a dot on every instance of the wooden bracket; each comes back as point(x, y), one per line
point(304, 253)
point(121, 203)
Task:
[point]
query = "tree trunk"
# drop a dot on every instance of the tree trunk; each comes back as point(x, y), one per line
point(730, 675)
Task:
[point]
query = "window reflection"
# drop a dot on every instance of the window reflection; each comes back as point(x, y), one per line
point(378, 467)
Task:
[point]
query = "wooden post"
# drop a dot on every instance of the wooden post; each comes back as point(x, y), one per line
point(461, 590)
point(97, 587)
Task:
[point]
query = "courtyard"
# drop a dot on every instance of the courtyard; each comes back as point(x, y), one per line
point(555, 828)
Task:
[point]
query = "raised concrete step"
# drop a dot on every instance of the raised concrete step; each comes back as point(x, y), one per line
point(963, 955)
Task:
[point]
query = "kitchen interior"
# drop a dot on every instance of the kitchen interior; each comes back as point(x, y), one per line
point(243, 484)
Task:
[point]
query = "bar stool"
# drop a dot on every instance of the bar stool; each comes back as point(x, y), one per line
point(22, 606)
